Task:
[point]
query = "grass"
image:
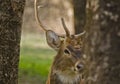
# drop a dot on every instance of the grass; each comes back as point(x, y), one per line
point(35, 59)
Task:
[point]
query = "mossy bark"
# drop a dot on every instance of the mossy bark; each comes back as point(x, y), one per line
point(79, 15)
point(102, 45)
point(11, 12)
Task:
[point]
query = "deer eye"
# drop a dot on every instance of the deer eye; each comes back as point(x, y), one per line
point(66, 51)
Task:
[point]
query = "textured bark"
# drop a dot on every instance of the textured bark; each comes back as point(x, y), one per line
point(79, 15)
point(11, 12)
point(102, 46)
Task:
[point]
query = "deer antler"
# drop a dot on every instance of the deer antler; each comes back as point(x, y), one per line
point(67, 31)
point(44, 28)
point(65, 28)
point(79, 35)
point(37, 17)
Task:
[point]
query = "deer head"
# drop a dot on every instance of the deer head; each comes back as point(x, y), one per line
point(68, 63)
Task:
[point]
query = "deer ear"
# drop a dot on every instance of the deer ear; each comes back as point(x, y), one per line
point(53, 39)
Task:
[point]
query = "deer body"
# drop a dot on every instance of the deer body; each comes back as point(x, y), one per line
point(68, 64)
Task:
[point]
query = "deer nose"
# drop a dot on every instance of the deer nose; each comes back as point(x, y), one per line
point(79, 67)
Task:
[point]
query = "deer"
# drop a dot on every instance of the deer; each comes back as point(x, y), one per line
point(68, 65)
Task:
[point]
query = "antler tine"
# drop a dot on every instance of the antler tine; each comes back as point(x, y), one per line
point(37, 17)
point(43, 27)
point(65, 28)
point(79, 35)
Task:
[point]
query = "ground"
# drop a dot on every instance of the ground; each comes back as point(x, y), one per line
point(35, 59)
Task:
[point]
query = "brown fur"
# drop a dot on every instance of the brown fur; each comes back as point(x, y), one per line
point(68, 64)
point(63, 64)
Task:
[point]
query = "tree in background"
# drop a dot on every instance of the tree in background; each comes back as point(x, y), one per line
point(102, 45)
point(11, 12)
point(79, 7)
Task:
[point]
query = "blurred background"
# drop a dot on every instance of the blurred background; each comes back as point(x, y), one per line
point(99, 18)
point(36, 56)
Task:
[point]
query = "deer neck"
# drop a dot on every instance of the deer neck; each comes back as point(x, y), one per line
point(58, 77)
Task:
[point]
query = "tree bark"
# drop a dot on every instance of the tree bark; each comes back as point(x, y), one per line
point(102, 45)
point(79, 15)
point(11, 12)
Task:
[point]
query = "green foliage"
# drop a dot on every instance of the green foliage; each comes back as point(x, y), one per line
point(35, 61)
point(36, 57)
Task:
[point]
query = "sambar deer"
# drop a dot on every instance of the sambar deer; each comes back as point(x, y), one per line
point(68, 65)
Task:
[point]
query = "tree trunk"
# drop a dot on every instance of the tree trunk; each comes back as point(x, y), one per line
point(79, 15)
point(11, 12)
point(102, 45)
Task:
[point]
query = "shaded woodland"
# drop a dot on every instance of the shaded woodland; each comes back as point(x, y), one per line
point(99, 18)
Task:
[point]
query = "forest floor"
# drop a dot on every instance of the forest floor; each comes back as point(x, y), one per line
point(35, 59)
